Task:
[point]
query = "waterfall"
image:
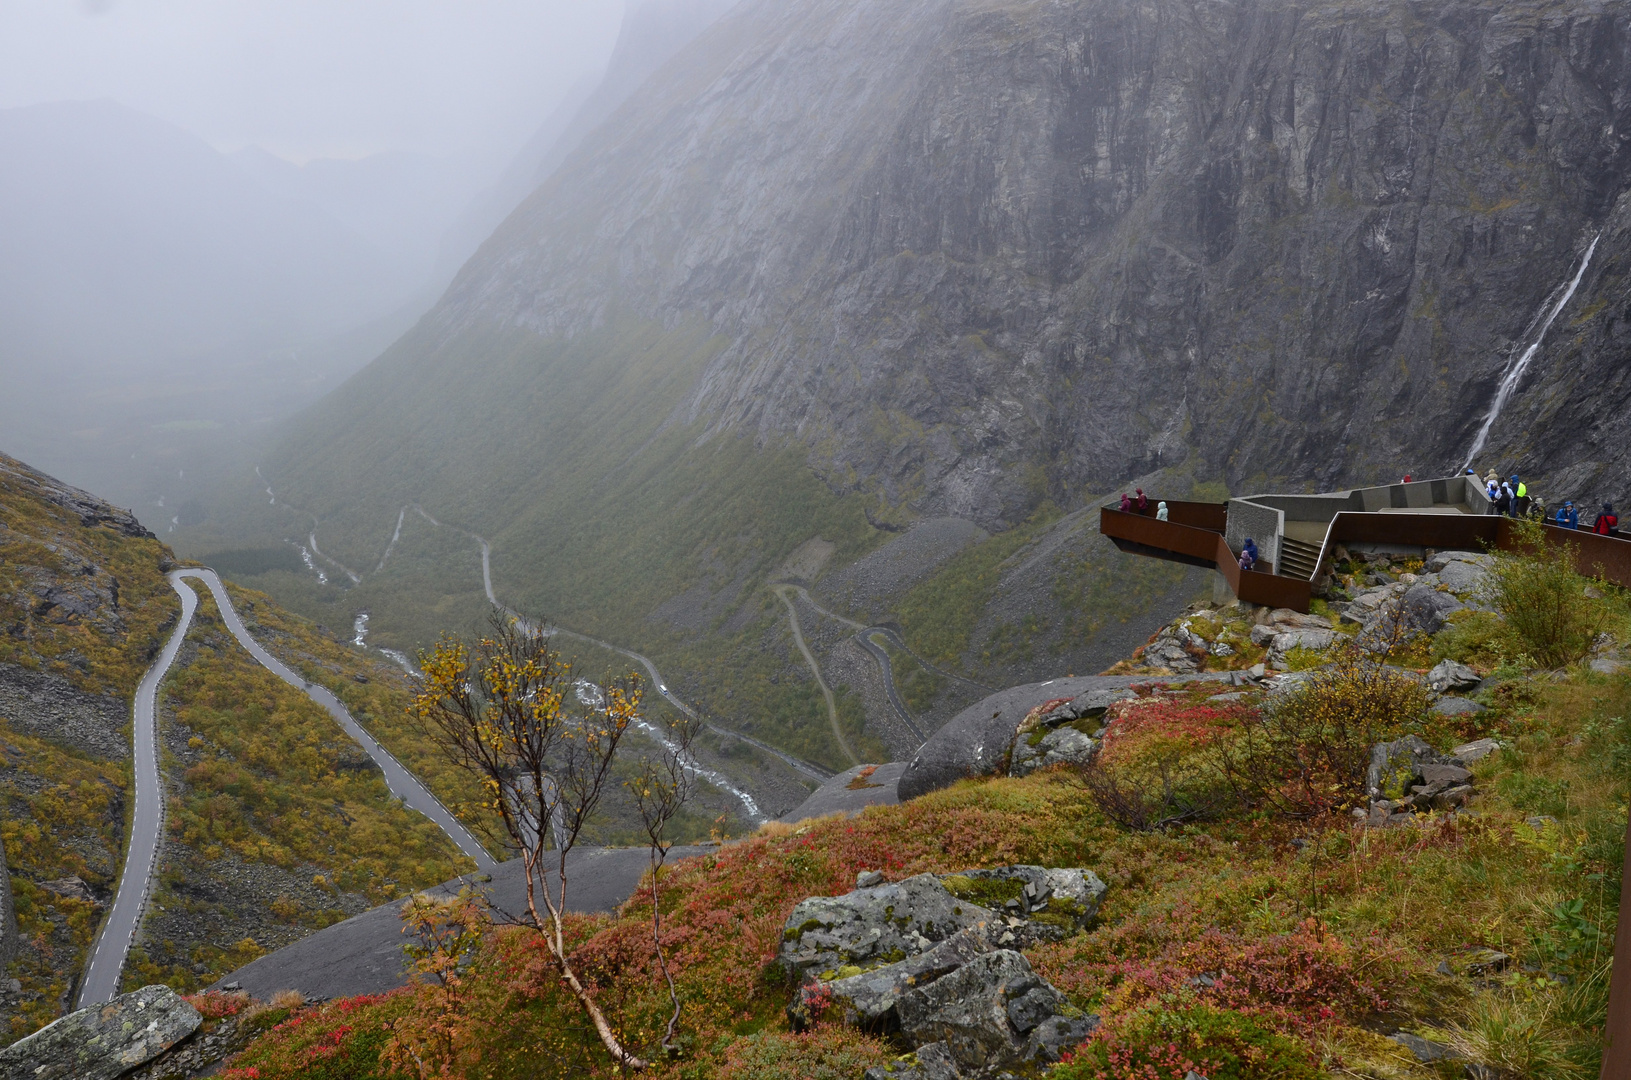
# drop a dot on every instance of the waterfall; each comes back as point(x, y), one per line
point(1515, 369)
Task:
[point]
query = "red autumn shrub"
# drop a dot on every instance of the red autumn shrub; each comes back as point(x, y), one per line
point(215, 1005)
point(1298, 981)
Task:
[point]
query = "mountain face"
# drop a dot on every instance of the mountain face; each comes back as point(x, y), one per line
point(1090, 238)
point(841, 266)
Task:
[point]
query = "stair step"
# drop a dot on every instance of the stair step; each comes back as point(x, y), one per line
point(1298, 558)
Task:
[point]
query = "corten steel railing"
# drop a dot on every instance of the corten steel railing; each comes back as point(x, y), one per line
point(1202, 546)
point(1193, 534)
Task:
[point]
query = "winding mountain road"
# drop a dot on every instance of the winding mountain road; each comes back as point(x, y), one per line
point(815, 669)
point(878, 654)
point(101, 980)
point(818, 773)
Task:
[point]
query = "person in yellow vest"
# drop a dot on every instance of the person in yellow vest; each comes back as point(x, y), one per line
point(1520, 497)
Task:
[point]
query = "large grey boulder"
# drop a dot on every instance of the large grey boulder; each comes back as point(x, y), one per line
point(1465, 577)
point(873, 926)
point(1426, 608)
point(977, 741)
point(1477, 750)
point(986, 1012)
point(1045, 749)
point(1444, 559)
point(1448, 676)
point(103, 1041)
point(868, 1000)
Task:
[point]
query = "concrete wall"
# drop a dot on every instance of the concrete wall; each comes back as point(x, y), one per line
point(1309, 507)
point(1264, 524)
point(1416, 495)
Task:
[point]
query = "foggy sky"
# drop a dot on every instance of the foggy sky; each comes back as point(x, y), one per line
point(314, 78)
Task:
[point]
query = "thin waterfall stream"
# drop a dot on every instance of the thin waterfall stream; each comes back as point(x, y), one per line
point(1515, 369)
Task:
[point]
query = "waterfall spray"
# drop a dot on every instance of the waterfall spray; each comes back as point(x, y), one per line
point(1515, 369)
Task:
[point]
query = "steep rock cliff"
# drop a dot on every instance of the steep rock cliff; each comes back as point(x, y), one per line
point(951, 245)
point(843, 264)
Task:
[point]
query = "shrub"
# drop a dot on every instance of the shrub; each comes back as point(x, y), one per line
point(217, 1005)
point(1170, 1043)
point(1158, 765)
point(1479, 638)
point(1306, 752)
point(1543, 598)
point(825, 1052)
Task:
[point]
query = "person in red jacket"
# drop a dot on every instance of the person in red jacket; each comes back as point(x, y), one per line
point(1143, 500)
point(1607, 522)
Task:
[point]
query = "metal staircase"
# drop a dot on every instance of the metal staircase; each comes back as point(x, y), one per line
point(1298, 559)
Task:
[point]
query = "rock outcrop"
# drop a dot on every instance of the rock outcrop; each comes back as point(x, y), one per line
point(920, 959)
point(982, 739)
point(885, 922)
point(104, 1041)
point(1407, 777)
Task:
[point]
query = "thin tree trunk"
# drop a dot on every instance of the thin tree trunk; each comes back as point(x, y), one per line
point(555, 937)
point(662, 961)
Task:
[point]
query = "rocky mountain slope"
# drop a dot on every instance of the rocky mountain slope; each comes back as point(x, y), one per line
point(276, 823)
point(941, 243)
point(845, 265)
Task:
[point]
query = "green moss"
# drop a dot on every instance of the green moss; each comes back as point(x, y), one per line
point(987, 892)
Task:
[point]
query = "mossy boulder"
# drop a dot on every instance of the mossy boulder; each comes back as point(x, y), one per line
point(103, 1041)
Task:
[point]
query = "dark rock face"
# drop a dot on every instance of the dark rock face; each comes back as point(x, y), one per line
point(985, 1013)
point(49, 706)
point(1091, 239)
point(1426, 609)
point(104, 1041)
point(90, 510)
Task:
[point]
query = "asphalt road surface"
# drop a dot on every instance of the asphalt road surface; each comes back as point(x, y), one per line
point(364, 955)
point(101, 980)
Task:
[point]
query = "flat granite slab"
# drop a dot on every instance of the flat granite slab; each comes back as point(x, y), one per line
point(838, 796)
point(363, 954)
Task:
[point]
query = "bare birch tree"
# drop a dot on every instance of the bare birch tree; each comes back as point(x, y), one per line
point(508, 713)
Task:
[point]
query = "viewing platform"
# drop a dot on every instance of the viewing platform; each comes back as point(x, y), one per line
point(1297, 534)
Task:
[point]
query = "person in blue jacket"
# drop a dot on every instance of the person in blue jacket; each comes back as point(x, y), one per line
point(1248, 554)
point(1574, 514)
point(1561, 518)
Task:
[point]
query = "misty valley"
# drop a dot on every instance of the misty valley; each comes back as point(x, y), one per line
point(833, 539)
